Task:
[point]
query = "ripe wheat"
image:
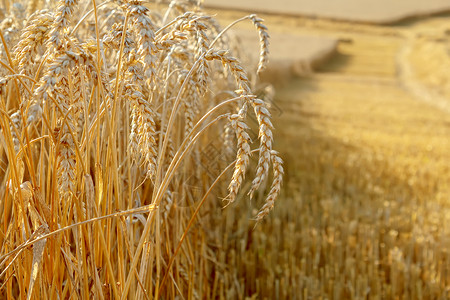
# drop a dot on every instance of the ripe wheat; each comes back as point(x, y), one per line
point(114, 110)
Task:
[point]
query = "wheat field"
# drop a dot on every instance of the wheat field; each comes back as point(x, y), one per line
point(136, 157)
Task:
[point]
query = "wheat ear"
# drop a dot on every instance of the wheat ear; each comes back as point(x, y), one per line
point(33, 36)
point(61, 22)
point(265, 136)
point(263, 42)
point(144, 28)
point(243, 154)
point(278, 172)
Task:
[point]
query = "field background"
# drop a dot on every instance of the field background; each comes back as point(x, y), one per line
point(365, 139)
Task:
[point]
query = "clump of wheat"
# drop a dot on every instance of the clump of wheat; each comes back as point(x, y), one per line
point(115, 107)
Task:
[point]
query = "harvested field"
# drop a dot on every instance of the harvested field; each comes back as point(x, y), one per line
point(365, 203)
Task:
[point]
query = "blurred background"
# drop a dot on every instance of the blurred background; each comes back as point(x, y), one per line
point(361, 103)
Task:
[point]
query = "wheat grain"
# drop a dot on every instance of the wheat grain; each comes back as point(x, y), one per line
point(16, 129)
